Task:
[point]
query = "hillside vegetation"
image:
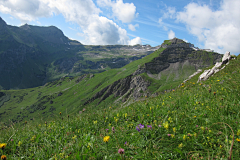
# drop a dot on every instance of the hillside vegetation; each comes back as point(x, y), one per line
point(193, 121)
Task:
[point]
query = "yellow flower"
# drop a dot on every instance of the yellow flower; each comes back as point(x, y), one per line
point(125, 115)
point(166, 125)
point(174, 129)
point(116, 120)
point(238, 140)
point(202, 128)
point(118, 115)
point(180, 145)
point(170, 119)
point(106, 138)
point(94, 122)
point(220, 146)
point(172, 135)
point(184, 137)
point(60, 113)
point(195, 134)
point(195, 116)
point(19, 143)
point(74, 137)
point(3, 145)
point(3, 157)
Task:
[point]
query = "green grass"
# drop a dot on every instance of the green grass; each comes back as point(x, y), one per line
point(195, 121)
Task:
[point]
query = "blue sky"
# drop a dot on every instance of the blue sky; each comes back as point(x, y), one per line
point(209, 24)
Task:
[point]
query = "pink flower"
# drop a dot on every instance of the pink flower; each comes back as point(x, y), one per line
point(113, 129)
point(168, 135)
point(121, 151)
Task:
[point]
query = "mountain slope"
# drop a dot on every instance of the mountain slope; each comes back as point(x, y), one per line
point(194, 121)
point(131, 82)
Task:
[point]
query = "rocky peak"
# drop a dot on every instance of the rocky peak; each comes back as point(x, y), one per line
point(25, 27)
point(2, 22)
point(176, 41)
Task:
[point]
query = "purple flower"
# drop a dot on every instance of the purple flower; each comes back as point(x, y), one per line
point(149, 126)
point(107, 129)
point(125, 142)
point(11, 139)
point(196, 125)
point(141, 126)
point(138, 129)
point(121, 151)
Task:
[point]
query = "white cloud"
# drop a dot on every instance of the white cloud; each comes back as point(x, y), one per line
point(133, 27)
point(95, 29)
point(171, 34)
point(135, 41)
point(217, 29)
point(125, 12)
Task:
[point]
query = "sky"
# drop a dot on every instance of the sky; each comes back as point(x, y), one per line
point(208, 24)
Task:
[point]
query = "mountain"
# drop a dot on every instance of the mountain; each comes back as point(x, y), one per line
point(30, 56)
point(159, 72)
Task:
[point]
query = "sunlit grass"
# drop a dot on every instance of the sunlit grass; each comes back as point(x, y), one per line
point(196, 120)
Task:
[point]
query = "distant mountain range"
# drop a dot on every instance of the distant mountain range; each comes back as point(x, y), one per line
point(30, 56)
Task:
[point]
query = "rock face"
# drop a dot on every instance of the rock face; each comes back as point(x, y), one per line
point(207, 73)
point(136, 86)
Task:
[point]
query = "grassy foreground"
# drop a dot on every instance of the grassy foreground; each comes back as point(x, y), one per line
point(195, 121)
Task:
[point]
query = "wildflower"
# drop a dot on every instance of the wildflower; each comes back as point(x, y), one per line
point(125, 143)
point(184, 137)
point(214, 93)
point(121, 151)
point(94, 122)
point(174, 129)
point(238, 139)
point(141, 126)
point(19, 143)
point(107, 129)
point(172, 135)
point(220, 146)
point(180, 145)
point(125, 115)
point(3, 145)
point(137, 129)
point(238, 132)
point(11, 139)
point(168, 135)
point(3, 157)
point(159, 125)
point(202, 128)
point(165, 125)
point(196, 125)
point(149, 126)
point(113, 129)
point(106, 138)
point(170, 119)
point(60, 113)
point(195, 116)
point(195, 134)
point(74, 137)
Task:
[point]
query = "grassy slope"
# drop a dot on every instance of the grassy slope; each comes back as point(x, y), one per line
point(25, 101)
point(197, 120)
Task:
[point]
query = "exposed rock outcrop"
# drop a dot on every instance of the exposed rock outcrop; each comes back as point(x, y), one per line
point(207, 73)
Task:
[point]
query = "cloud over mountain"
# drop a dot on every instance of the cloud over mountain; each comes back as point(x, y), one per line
point(96, 29)
point(217, 29)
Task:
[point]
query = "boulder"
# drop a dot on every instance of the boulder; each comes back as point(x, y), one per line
point(226, 58)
